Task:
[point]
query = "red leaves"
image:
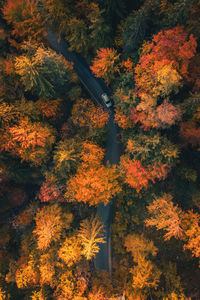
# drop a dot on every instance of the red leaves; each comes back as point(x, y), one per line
point(138, 176)
point(50, 192)
point(172, 48)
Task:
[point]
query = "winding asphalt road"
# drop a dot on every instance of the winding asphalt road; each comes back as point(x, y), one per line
point(95, 87)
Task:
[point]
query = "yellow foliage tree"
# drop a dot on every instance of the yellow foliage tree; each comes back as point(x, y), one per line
point(26, 275)
point(145, 274)
point(138, 245)
point(49, 225)
point(70, 251)
point(47, 270)
point(166, 215)
point(90, 235)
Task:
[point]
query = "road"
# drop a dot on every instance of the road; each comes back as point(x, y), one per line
point(95, 88)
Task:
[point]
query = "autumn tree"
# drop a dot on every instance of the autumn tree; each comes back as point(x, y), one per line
point(70, 251)
point(139, 245)
point(90, 235)
point(191, 228)
point(93, 185)
point(25, 18)
point(138, 176)
point(49, 225)
point(50, 108)
point(51, 192)
point(157, 59)
point(42, 71)
point(86, 114)
point(166, 216)
point(67, 156)
point(106, 64)
point(31, 141)
point(145, 274)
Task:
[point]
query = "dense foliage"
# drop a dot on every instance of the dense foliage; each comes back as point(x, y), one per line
point(53, 169)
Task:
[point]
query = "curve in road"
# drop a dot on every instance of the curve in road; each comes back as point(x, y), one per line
point(95, 87)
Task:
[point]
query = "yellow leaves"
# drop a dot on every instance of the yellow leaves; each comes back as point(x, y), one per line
point(191, 228)
point(70, 251)
point(145, 274)
point(47, 270)
point(138, 245)
point(168, 79)
point(165, 215)
point(26, 275)
point(38, 295)
point(3, 295)
point(90, 235)
point(48, 226)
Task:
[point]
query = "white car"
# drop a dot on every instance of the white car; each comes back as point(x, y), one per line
point(106, 100)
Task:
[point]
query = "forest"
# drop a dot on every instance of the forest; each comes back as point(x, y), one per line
point(53, 139)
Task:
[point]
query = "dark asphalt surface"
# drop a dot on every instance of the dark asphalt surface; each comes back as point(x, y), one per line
point(95, 87)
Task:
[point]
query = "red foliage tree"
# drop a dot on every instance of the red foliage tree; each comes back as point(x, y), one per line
point(50, 192)
point(138, 176)
point(172, 47)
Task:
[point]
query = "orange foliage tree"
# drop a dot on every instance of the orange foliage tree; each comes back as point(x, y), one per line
point(70, 251)
point(86, 114)
point(26, 275)
point(171, 49)
point(106, 64)
point(93, 183)
point(31, 141)
point(50, 108)
point(191, 227)
point(145, 274)
point(49, 225)
point(138, 176)
point(25, 18)
point(138, 245)
point(166, 215)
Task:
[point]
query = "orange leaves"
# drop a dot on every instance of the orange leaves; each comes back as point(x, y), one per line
point(167, 56)
point(145, 274)
point(25, 18)
point(46, 269)
point(175, 222)
point(31, 141)
point(122, 120)
point(93, 183)
point(105, 64)
point(70, 251)
point(26, 276)
point(50, 108)
point(138, 245)
point(30, 135)
point(86, 114)
point(92, 155)
point(191, 227)
point(138, 176)
point(48, 226)
point(166, 215)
